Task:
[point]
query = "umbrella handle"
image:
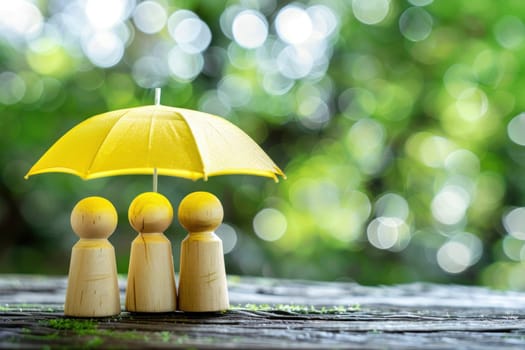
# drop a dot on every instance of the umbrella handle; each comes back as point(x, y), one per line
point(157, 96)
point(155, 180)
point(155, 175)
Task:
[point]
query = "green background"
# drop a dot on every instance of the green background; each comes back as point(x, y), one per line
point(398, 126)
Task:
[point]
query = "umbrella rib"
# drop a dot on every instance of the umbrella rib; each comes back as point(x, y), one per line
point(119, 118)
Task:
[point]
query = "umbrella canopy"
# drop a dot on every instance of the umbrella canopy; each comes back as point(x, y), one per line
point(150, 139)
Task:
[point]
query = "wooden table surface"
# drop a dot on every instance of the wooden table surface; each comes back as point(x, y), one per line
point(272, 313)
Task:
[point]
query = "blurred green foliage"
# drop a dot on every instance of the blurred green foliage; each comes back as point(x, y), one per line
point(398, 124)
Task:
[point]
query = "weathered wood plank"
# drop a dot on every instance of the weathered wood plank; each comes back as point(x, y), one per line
point(270, 313)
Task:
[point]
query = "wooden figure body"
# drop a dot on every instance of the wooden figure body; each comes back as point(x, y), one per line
point(92, 289)
point(202, 281)
point(151, 279)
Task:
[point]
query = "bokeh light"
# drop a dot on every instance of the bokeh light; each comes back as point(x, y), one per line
point(459, 78)
point(472, 104)
point(516, 129)
point(388, 233)
point(149, 17)
point(293, 25)
point(392, 205)
point(47, 56)
point(415, 24)
point(277, 84)
point(513, 248)
point(12, 88)
point(250, 29)
point(190, 33)
point(295, 63)
point(184, 65)
point(106, 14)
point(20, 20)
point(460, 252)
point(399, 125)
point(370, 11)
point(269, 224)
point(450, 204)
point(228, 236)
point(510, 32)
point(104, 49)
point(462, 162)
point(324, 21)
point(514, 223)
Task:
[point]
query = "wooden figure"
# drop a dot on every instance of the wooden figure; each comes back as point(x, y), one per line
point(202, 280)
point(151, 279)
point(92, 289)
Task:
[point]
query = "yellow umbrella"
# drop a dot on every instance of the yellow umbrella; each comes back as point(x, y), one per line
point(156, 139)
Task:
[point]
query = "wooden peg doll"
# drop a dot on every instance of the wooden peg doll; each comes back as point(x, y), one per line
point(92, 288)
point(202, 279)
point(151, 279)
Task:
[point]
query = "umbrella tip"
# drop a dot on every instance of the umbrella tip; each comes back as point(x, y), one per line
point(157, 96)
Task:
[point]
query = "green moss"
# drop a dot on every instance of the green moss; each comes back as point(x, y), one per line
point(25, 307)
point(298, 309)
point(90, 327)
point(94, 342)
point(89, 334)
point(165, 336)
point(80, 327)
point(126, 335)
point(182, 339)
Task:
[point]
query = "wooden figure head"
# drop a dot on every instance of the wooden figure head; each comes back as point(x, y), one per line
point(150, 212)
point(200, 212)
point(94, 217)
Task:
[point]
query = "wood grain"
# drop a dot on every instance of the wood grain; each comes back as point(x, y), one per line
point(276, 314)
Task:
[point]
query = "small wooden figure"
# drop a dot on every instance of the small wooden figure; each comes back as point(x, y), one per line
point(202, 280)
point(151, 279)
point(92, 289)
